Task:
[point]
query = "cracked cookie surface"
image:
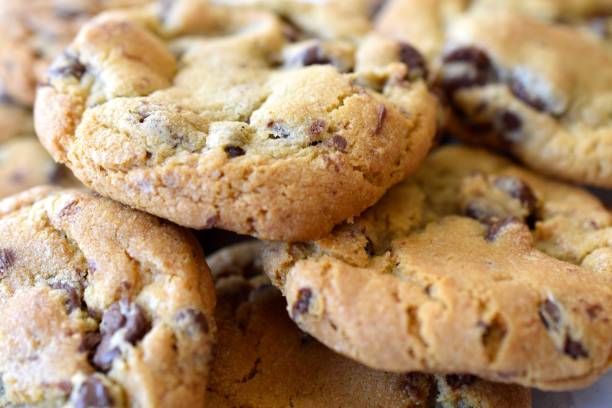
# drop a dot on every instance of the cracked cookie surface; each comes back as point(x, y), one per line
point(264, 360)
point(517, 79)
point(471, 265)
point(211, 117)
point(101, 305)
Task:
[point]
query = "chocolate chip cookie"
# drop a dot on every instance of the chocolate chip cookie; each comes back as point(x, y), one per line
point(101, 305)
point(264, 360)
point(472, 265)
point(211, 117)
point(518, 82)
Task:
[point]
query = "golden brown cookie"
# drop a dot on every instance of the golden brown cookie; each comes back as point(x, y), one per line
point(517, 81)
point(209, 116)
point(264, 360)
point(472, 265)
point(100, 305)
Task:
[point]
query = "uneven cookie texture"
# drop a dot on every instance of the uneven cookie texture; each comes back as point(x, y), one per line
point(517, 80)
point(472, 265)
point(264, 360)
point(101, 305)
point(211, 116)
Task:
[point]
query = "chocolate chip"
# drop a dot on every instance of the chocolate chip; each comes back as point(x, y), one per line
point(337, 142)
point(313, 55)
point(517, 188)
point(574, 348)
point(194, 319)
point(71, 67)
point(93, 394)
point(302, 304)
point(599, 27)
point(479, 69)
point(499, 225)
point(105, 355)
point(17, 177)
point(509, 121)
point(73, 295)
point(7, 259)
point(520, 91)
point(414, 60)
point(234, 151)
point(550, 314)
point(120, 315)
point(317, 127)
point(456, 381)
point(278, 130)
point(380, 118)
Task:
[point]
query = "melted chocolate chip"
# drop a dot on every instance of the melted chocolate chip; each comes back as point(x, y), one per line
point(69, 209)
point(550, 314)
point(195, 320)
point(302, 304)
point(93, 394)
point(338, 143)
point(7, 259)
point(120, 315)
point(68, 13)
point(313, 55)
point(496, 227)
point(414, 60)
point(234, 151)
point(71, 67)
point(518, 189)
point(574, 348)
point(520, 91)
point(456, 381)
point(479, 69)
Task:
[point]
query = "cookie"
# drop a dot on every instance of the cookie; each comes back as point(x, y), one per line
point(101, 305)
point(269, 138)
point(472, 265)
point(517, 83)
point(33, 32)
point(264, 360)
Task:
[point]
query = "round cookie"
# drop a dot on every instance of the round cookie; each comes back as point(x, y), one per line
point(472, 265)
point(100, 305)
point(518, 82)
point(210, 116)
point(264, 360)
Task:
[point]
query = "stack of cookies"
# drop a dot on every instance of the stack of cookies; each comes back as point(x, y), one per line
point(404, 174)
